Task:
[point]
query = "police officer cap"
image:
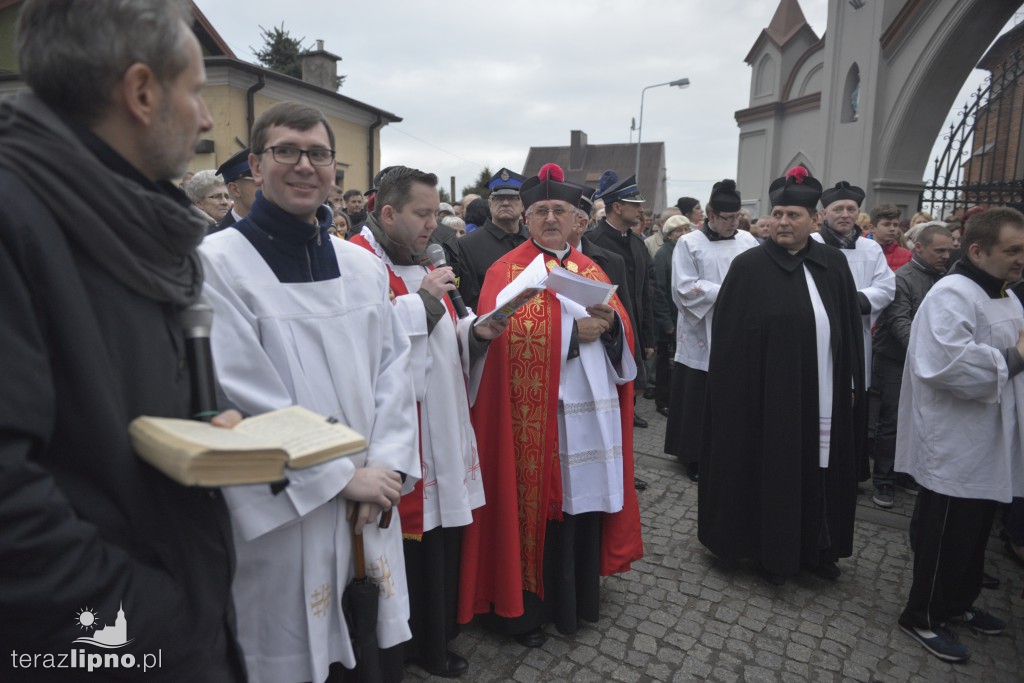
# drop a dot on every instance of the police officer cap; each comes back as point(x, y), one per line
point(236, 166)
point(505, 182)
point(611, 189)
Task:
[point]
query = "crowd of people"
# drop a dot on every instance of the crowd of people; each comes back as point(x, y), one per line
point(499, 434)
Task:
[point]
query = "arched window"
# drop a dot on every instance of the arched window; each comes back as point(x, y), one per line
point(765, 77)
point(850, 106)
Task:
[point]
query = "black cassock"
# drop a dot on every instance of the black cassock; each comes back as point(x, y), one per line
point(762, 494)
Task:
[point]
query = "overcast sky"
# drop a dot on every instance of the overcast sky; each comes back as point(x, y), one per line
point(478, 83)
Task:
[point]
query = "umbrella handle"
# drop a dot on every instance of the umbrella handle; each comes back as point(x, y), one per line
point(360, 556)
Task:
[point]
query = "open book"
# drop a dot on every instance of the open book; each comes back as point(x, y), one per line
point(256, 451)
point(529, 283)
point(582, 290)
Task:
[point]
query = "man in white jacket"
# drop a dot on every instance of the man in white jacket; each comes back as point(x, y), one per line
point(304, 318)
point(876, 288)
point(961, 422)
point(398, 232)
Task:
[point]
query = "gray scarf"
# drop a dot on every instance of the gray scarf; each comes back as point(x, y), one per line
point(143, 238)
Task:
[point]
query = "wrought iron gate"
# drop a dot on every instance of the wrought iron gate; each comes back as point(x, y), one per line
point(983, 161)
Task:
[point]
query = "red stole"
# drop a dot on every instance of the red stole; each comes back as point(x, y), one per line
point(516, 421)
point(410, 511)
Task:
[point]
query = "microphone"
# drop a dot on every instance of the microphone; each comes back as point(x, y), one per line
point(196, 321)
point(435, 252)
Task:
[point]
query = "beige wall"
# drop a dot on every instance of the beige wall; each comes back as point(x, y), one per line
point(225, 95)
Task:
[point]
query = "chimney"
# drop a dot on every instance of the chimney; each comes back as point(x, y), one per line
point(577, 150)
point(320, 68)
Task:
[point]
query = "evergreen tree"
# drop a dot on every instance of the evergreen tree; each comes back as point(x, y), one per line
point(280, 51)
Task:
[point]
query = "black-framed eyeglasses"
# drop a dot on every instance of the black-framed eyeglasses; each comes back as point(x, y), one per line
point(286, 154)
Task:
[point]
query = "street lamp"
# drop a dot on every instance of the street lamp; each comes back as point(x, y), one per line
point(680, 83)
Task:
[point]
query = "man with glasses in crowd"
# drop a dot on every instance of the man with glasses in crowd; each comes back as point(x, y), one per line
point(553, 419)
point(700, 262)
point(470, 256)
point(294, 310)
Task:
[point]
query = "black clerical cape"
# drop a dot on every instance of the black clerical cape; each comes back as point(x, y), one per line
point(762, 492)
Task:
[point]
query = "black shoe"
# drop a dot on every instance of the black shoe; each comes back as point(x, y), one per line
point(649, 393)
point(455, 666)
point(939, 640)
point(639, 421)
point(693, 471)
point(534, 638)
point(773, 578)
point(662, 410)
point(826, 570)
point(883, 496)
point(639, 484)
point(989, 581)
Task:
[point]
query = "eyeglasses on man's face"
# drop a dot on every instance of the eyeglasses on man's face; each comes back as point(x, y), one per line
point(559, 212)
point(286, 154)
point(504, 198)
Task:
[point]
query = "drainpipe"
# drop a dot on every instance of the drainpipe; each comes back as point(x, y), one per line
point(369, 150)
point(250, 104)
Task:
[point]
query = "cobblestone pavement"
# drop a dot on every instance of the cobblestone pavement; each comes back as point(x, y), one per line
point(678, 617)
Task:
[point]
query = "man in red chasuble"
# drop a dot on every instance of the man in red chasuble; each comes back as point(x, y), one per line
point(554, 423)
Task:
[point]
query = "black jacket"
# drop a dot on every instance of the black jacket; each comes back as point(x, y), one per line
point(84, 523)
point(892, 329)
point(472, 255)
point(639, 273)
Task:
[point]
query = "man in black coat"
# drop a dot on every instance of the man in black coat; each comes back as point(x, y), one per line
point(97, 259)
point(472, 255)
point(778, 470)
point(623, 205)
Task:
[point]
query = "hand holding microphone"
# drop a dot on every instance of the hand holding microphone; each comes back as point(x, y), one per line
point(435, 252)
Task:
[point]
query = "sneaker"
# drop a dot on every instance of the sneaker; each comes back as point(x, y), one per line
point(940, 641)
point(883, 497)
point(982, 622)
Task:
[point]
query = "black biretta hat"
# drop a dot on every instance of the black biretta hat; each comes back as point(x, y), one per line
point(549, 183)
point(796, 188)
point(724, 196)
point(842, 190)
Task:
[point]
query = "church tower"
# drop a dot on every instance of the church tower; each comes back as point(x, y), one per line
point(780, 127)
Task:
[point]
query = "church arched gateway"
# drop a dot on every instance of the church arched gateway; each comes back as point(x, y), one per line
point(866, 101)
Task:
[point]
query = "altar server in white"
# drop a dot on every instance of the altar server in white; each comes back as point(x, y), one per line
point(961, 424)
point(301, 318)
point(444, 347)
point(876, 282)
point(700, 262)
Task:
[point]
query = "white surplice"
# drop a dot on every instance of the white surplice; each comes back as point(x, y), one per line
point(452, 482)
point(961, 419)
point(875, 280)
point(589, 421)
point(698, 268)
point(336, 347)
